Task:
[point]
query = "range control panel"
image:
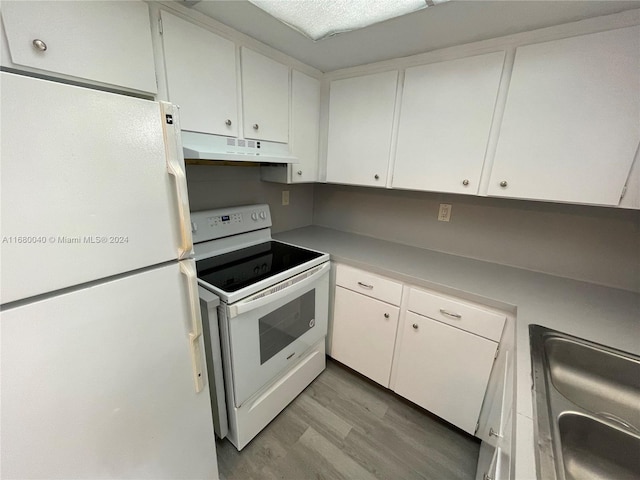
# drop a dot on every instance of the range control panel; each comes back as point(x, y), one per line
point(223, 222)
point(224, 219)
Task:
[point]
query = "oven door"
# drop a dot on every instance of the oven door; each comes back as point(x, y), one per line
point(271, 329)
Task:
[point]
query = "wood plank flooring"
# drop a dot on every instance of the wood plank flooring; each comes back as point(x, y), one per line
point(344, 426)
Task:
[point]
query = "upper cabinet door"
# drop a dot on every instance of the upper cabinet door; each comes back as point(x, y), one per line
point(106, 42)
point(572, 120)
point(201, 77)
point(360, 123)
point(445, 118)
point(265, 96)
point(305, 126)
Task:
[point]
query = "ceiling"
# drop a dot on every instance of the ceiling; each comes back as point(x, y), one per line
point(452, 23)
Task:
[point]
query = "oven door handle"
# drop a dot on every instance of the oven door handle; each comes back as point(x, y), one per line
point(279, 291)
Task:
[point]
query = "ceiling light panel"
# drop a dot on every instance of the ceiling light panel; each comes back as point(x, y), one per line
point(318, 19)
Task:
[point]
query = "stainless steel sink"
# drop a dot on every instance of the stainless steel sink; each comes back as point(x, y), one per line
point(587, 408)
point(591, 449)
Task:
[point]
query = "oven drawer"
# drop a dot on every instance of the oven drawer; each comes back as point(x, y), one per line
point(369, 284)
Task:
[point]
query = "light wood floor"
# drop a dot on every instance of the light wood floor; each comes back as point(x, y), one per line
point(345, 427)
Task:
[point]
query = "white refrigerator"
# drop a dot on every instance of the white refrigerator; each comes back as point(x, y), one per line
point(102, 365)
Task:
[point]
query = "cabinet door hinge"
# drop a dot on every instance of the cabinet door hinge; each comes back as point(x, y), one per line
point(497, 351)
point(160, 24)
point(624, 190)
point(477, 427)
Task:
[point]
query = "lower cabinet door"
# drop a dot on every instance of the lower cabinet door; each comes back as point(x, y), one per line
point(444, 369)
point(504, 450)
point(364, 333)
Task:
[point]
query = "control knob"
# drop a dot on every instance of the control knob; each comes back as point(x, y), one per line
point(254, 216)
point(263, 215)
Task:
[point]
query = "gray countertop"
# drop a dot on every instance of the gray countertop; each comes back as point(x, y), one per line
point(605, 315)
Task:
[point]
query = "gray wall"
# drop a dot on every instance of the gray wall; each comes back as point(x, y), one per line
point(599, 245)
point(224, 186)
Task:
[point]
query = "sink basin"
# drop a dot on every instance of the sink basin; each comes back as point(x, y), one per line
point(596, 380)
point(591, 449)
point(587, 408)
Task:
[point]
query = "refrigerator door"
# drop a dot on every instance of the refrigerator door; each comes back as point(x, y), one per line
point(92, 185)
point(99, 382)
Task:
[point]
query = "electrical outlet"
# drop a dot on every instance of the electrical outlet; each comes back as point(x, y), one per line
point(285, 197)
point(445, 212)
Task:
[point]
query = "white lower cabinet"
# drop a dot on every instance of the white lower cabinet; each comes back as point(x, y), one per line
point(494, 463)
point(433, 349)
point(504, 451)
point(364, 333)
point(499, 402)
point(444, 369)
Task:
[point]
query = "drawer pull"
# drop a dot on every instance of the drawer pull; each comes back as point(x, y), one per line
point(415, 326)
point(386, 315)
point(364, 285)
point(450, 314)
point(493, 433)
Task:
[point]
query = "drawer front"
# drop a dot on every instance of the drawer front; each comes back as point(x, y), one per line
point(369, 284)
point(458, 314)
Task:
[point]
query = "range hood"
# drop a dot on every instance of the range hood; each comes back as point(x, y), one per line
point(202, 146)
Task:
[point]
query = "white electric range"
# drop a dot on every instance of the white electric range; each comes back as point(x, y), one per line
point(274, 300)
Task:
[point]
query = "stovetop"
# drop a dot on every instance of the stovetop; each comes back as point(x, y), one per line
point(241, 268)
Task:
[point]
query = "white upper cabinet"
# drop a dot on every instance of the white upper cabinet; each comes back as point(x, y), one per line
point(105, 42)
point(445, 118)
point(572, 120)
point(305, 126)
point(361, 113)
point(265, 97)
point(304, 133)
point(201, 76)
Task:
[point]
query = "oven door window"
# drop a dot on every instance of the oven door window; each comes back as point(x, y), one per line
point(283, 326)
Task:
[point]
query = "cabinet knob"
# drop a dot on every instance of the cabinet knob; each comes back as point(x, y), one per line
point(376, 176)
point(256, 126)
point(503, 183)
point(228, 123)
point(39, 44)
point(299, 172)
point(415, 326)
point(386, 315)
point(465, 182)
